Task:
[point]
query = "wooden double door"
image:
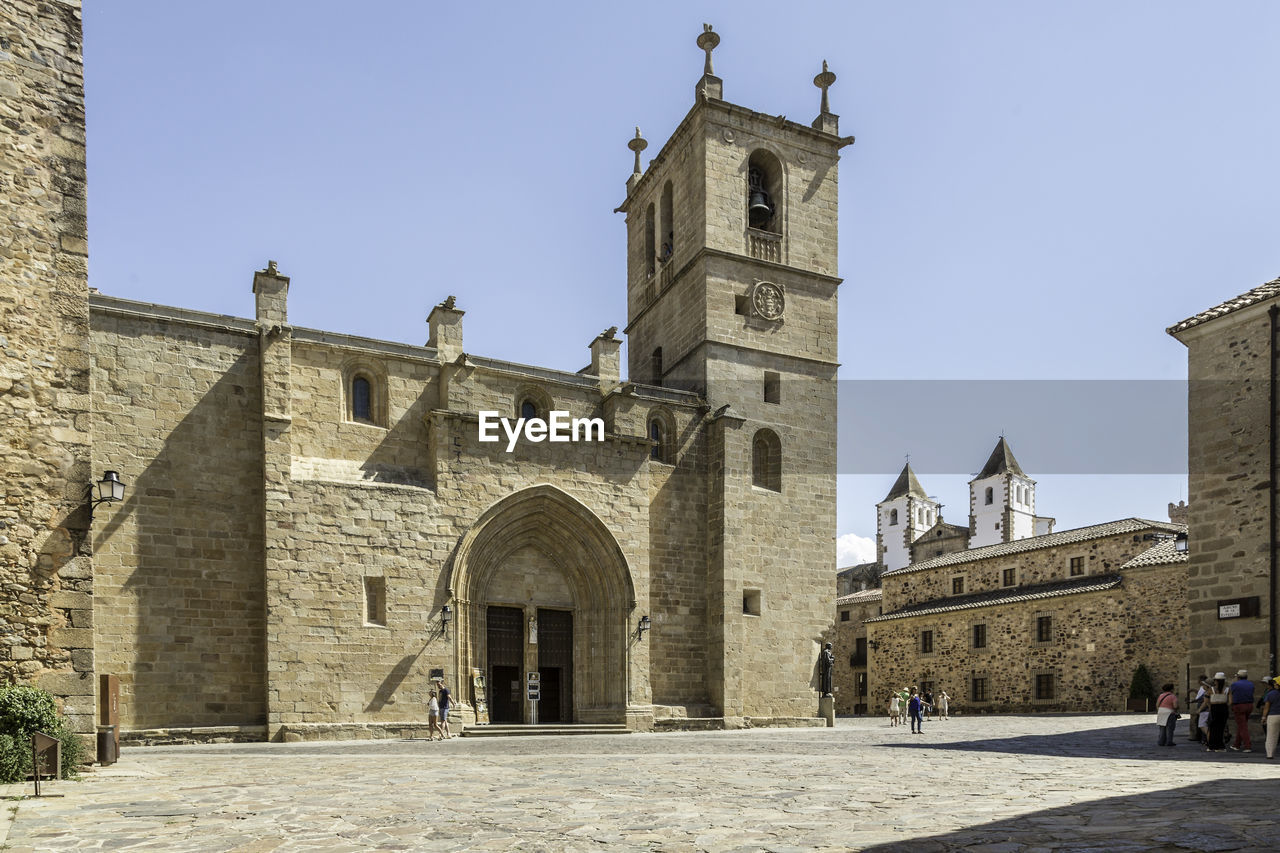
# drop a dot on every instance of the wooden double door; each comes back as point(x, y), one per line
point(512, 649)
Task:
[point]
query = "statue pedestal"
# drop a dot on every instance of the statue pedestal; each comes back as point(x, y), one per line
point(827, 709)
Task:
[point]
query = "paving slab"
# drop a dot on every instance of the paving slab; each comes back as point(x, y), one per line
point(998, 784)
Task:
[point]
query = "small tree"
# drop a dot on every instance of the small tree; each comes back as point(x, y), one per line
point(25, 709)
point(1142, 687)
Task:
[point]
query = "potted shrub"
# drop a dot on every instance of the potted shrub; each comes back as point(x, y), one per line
point(1142, 690)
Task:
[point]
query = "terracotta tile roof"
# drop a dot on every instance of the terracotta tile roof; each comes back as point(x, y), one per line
point(861, 596)
point(1164, 553)
point(1053, 589)
point(1049, 540)
point(1261, 293)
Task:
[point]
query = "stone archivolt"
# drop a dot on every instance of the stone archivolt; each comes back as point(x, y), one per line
point(593, 566)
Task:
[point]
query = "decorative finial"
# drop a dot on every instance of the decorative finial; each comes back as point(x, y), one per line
point(451, 303)
point(609, 333)
point(637, 145)
point(708, 41)
point(271, 268)
point(823, 81)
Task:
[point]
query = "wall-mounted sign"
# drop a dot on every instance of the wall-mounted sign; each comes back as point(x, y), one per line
point(1235, 608)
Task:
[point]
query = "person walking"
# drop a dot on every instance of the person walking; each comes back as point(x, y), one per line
point(944, 705)
point(1242, 707)
point(1271, 714)
point(446, 702)
point(1166, 715)
point(915, 712)
point(895, 709)
point(1217, 699)
point(433, 718)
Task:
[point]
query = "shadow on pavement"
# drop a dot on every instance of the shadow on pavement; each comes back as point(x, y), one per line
point(1136, 742)
point(1207, 816)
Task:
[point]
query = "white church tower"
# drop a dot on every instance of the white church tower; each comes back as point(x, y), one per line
point(1002, 501)
point(901, 518)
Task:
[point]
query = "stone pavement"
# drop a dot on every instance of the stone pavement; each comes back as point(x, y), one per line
point(977, 783)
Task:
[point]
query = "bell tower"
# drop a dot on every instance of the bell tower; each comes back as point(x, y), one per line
point(731, 293)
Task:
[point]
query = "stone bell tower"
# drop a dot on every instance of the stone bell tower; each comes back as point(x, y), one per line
point(731, 292)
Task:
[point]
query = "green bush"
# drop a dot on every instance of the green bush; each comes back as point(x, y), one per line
point(25, 709)
point(1142, 687)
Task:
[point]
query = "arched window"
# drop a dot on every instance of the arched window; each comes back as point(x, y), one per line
point(650, 251)
point(893, 517)
point(764, 192)
point(655, 363)
point(532, 402)
point(666, 228)
point(766, 460)
point(991, 495)
point(661, 433)
point(361, 399)
point(364, 393)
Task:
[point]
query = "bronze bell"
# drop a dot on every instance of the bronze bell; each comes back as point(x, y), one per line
point(759, 208)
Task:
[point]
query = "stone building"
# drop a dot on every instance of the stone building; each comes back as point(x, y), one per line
point(315, 524)
point(850, 640)
point(1056, 622)
point(1232, 411)
point(1050, 621)
point(909, 524)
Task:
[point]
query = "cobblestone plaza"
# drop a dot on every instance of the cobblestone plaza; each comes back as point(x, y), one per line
point(978, 783)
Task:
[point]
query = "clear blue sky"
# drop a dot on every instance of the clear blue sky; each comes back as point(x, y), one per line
point(1037, 189)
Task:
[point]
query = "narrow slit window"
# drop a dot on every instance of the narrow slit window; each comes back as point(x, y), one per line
point(772, 387)
point(375, 601)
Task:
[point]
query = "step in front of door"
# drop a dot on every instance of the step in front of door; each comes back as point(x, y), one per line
point(553, 729)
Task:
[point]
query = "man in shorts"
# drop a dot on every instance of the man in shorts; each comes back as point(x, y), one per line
point(446, 702)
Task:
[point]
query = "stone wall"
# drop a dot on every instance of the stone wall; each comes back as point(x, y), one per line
point(179, 609)
point(1097, 638)
point(938, 540)
point(852, 612)
point(45, 567)
point(1229, 488)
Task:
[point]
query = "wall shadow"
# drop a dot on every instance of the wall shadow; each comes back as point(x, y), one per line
point(382, 695)
point(179, 593)
point(1136, 742)
point(1205, 816)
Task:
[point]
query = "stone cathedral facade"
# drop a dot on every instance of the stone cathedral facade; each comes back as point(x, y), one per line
point(313, 528)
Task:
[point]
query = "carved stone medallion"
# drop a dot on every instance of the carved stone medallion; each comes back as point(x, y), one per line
point(766, 298)
point(727, 135)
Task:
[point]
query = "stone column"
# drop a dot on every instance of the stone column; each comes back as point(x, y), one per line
point(275, 339)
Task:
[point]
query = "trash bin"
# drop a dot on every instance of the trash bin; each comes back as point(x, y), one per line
point(107, 745)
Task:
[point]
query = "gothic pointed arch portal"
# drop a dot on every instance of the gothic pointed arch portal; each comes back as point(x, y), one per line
point(588, 575)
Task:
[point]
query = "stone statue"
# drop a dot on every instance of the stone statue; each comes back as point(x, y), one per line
point(826, 666)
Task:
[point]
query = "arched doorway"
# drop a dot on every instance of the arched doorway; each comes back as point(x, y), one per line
point(539, 582)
